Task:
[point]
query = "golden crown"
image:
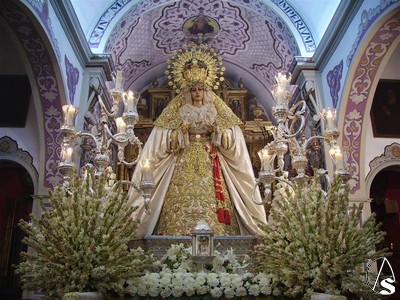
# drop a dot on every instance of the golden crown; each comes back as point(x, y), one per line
point(194, 64)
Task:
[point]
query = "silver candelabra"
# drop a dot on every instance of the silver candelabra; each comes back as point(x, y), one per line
point(105, 138)
point(288, 139)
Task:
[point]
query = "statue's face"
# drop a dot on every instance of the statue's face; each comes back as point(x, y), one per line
point(197, 92)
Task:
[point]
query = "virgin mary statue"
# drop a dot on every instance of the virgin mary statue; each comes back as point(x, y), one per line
point(200, 163)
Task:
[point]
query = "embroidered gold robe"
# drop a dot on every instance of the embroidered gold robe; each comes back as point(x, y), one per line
point(184, 186)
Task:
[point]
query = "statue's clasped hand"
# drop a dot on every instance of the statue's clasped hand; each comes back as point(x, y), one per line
point(185, 127)
point(212, 128)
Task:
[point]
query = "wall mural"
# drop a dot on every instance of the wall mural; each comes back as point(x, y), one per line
point(233, 34)
point(72, 79)
point(333, 79)
point(42, 10)
point(356, 103)
point(368, 17)
point(257, 6)
point(243, 37)
point(44, 72)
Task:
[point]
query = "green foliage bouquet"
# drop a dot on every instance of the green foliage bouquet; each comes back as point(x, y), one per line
point(315, 242)
point(81, 242)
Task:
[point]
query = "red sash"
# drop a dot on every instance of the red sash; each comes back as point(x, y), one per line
point(222, 211)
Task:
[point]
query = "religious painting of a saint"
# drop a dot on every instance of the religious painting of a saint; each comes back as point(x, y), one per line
point(201, 25)
point(159, 107)
point(236, 107)
point(385, 110)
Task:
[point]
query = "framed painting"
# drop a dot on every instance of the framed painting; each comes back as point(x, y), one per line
point(385, 110)
point(236, 102)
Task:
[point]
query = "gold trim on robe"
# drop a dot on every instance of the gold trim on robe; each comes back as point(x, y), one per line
point(191, 194)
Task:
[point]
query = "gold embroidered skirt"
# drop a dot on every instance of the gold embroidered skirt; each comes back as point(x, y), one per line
point(191, 195)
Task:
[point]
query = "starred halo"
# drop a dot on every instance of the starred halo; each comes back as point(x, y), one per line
point(194, 64)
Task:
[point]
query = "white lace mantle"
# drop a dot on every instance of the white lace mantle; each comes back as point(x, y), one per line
point(198, 117)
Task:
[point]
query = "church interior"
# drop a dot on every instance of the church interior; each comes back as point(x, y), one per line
point(73, 71)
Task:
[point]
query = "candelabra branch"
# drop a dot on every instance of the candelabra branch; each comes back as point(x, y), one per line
point(132, 163)
point(289, 139)
point(118, 138)
point(145, 188)
point(114, 108)
point(91, 136)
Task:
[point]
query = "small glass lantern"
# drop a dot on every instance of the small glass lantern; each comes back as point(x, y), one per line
point(202, 240)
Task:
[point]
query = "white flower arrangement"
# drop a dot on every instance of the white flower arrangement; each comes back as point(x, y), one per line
point(226, 276)
point(315, 242)
point(81, 242)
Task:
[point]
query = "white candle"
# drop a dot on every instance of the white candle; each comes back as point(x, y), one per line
point(129, 101)
point(281, 78)
point(69, 115)
point(68, 155)
point(339, 159)
point(266, 160)
point(118, 80)
point(330, 115)
point(279, 95)
point(121, 126)
point(146, 171)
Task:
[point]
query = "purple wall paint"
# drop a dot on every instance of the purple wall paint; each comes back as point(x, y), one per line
point(46, 84)
point(72, 79)
point(361, 84)
point(333, 79)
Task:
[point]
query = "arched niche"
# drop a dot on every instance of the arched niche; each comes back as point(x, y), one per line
point(389, 159)
point(10, 151)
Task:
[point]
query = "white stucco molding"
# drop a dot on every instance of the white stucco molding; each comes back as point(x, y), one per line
point(9, 150)
point(390, 157)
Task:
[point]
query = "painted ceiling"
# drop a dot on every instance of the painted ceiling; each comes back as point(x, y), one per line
point(255, 38)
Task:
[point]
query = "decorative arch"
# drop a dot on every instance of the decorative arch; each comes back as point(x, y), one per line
point(390, 157)
point(362, 84)
point(9, 150)
point(42, 72)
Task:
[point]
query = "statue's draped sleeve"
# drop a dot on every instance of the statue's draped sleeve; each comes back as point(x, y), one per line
point(163, 163)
